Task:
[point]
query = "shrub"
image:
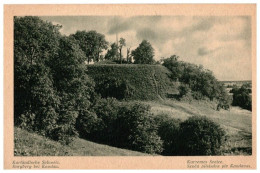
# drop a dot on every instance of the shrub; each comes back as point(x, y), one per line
point(46, 121)
point(65, 130)
point(124, 125)
point(197, 95)
point(27, 121)
point(97, 124)
point(137, 129)
point(114, 87)
point(224, 102)
point(87, 123)
point(185, 93)
point(168, 130)
point(107, 113)
point(200, 136)
point(184, 90)
point(242, 97)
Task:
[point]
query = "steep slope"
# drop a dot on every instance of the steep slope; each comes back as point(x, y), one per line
point(144, 82)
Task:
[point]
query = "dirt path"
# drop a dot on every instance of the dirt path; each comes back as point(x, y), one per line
point(156, 85)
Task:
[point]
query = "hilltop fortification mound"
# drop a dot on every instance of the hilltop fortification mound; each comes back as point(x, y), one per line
point(132, 82)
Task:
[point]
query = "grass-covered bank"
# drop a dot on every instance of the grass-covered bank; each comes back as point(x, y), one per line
point(236, 122)
point(32, 144)
point(132, 82)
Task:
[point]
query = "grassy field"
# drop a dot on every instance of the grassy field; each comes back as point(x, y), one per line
point(237, 122)
point(31, 144)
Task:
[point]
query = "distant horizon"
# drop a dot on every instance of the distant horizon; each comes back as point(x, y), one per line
point(221, 44)
point(235, 80)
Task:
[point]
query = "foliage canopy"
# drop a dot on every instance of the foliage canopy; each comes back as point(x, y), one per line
point(144, 53)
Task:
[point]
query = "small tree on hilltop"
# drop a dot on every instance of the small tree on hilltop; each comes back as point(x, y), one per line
point(91, 43)
point(144, 53)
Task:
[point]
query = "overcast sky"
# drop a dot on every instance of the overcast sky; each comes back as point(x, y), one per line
point(221, 44)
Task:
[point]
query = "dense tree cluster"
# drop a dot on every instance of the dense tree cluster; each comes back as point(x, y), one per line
point(143, 54)
point(132, 126)
point(91, 43)
point(201, 82)
point(124, 125)
point(50, 84)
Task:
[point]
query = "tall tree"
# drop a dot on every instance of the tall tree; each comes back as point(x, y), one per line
point(121, 45)
point(73, 86)
point(144, 53)
point(92, 43)
point(36, 42)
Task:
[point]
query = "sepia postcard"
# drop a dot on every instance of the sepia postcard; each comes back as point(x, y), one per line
point(166, 86)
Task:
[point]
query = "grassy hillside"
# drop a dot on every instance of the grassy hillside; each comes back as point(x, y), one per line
point(146, 82)
point(31, 144)
point(236, 122)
